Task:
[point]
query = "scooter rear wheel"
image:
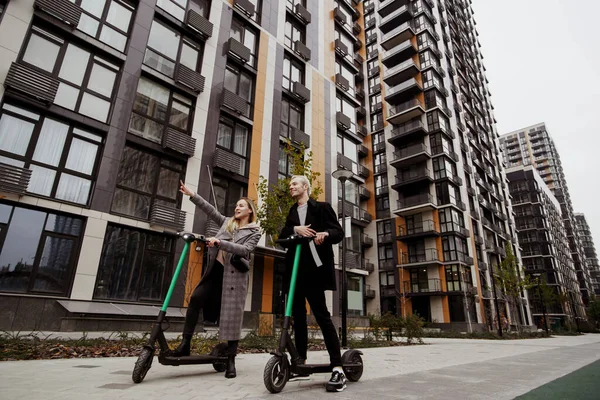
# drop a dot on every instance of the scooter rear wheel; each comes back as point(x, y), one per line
point(277, 373)
point(352, 357)
point(219, 350)
point(142, 365)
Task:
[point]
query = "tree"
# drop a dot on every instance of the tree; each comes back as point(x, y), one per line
point(508, 277)
point(275, 198)
point(593, 311)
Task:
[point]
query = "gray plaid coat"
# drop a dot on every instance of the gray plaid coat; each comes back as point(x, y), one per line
point(235, 283)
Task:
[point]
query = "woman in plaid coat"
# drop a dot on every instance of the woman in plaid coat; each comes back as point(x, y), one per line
point(222, 291)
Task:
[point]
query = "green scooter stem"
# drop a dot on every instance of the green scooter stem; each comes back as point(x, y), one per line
point(290, 299)
point(186, 247)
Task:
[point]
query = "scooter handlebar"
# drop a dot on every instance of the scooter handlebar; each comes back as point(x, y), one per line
point(294, 239)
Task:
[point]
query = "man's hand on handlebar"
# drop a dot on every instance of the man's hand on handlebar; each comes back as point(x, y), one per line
point(321, 237)
point(305, 230)
point(212, 242)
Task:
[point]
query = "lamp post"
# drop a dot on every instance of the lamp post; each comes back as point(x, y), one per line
point(343, 175)
point(542, 301)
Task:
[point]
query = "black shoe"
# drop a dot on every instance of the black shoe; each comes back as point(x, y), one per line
point(184, 348)
point(337, 383)
point(231, 372)
point(294, 377)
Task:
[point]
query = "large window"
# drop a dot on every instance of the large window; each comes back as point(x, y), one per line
point(347, 147)
point(346, 73)
point(156, 108)
point(247, 36)
point(293, 71)
point(242, 84)
point(227, 192)
point(447, 193)
point(351, 192)
point(145, 179)
point(135, 265)
point(292, 116)
point(62, 158)
point(87, 81)
point(177, 8)
point(166, 48)
point(443, 168)
point(454, 248)
point(37, 250)
point(348, 109)
point(106, 20)
point(235, 137)
point(284, 166)
point(293, 32)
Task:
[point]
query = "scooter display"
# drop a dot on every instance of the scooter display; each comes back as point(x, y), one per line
point(279, 367)
point(217, 356)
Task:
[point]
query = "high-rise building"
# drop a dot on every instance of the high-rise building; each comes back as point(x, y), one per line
point(438, 172)
point(533, 145)
point(590, 251)
point(545, 248)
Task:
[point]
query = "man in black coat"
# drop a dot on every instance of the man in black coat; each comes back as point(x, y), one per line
point(316, 272)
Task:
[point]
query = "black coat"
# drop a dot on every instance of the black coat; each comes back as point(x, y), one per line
point(321, 217)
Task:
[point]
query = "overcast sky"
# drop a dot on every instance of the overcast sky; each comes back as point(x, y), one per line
point(543, 64)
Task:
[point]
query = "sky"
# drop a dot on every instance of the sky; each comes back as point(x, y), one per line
point(543, 64)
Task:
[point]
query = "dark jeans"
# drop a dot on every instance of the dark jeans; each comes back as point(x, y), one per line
point(208, 289)
point(316, 300)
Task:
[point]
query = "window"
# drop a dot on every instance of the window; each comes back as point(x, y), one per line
point(293, 71)
point(235, 137)
point(144, 180)
point(293, 32)
point(292, 116)
point(166, 48)
point(436, 120)
point(450, 219)
point(108, 21)
point(347, 147)
point(38, 250)
point(177, 8)
point(61, 157)
point(439, 144)
point(135, 265)
point(431, 78)
point(434, 99)
point(242, 84)
point(285, 165)
point(385, 252)
point(291, 4)
point(385, 230)
point(376, 121)
point(156, 108)
point(454, 248)
point(443, 168)
point(246, 36)
point(375, 103)
point(347, 109)
point(349, 75)
point(86, 81)
point(227, 192)
point(351, 192)
point(447, 193)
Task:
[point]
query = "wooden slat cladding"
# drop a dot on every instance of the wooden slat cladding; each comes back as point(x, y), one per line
point(238, 50)
point(234, 102)
point(189, 78)
point(200, 24)
point(179, 141)
point(245, 6)
point(227, 161)
point(300, 137)
point(32, 82)
point(64, 10)
point(302, 50)
point(14, 179)
point(301, 92)
point(167, 216)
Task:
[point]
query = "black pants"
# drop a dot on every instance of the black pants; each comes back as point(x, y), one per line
point(208, 289)
point(316, 300)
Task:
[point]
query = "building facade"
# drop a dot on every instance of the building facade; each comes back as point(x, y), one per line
point(106, 104)
point(591, 256)
point(440, 189)
point(545, 249)
point(534, 146)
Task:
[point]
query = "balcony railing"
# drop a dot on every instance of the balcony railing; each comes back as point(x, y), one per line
point(425, 227)
point(14, 179)
point(179, 141)
point(65, 10)
point(417, 200)
point(423, 286)
point(427, 256)
point(167, 216)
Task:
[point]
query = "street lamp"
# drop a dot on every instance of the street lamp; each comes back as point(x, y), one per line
point(542, 301)
point(343, 175)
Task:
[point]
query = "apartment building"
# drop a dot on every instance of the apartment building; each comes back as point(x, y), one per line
point(589, 249)
point(106, 104)
point(545, 249)
point(534, 146)
point(443, 213)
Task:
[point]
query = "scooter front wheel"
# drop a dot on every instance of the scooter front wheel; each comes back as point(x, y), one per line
point(142, 365)
point(277, 373)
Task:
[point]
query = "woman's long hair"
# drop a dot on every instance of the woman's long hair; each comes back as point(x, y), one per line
point(233, 225)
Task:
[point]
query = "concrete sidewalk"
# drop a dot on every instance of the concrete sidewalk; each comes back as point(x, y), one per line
point(445, 368)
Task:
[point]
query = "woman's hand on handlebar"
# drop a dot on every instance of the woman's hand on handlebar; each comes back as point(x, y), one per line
point(212, 242)
point(183, 189)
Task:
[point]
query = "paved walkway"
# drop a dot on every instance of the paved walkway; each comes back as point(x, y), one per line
point(445, 368)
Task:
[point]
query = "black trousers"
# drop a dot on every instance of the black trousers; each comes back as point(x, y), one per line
point(318, 305)
point(210, 287)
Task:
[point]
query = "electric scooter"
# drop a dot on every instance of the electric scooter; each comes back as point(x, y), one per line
point(217, 356)
point(278, 368)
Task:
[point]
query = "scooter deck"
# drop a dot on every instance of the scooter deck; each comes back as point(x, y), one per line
point(319, 368)
point(189, 360)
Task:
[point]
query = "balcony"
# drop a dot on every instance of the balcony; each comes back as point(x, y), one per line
point(414, 154)
point(387, 265)
point(427, 257)
point(32, 82)
point(418, 176)
point(357, 215)
point(301, 92)
point(425, 229)
point(65, 10)
point(356, 29)
point(339, 16)
point(401, 72)
point(14, 179)
point(238, 51)
point(399, 54)
point(394, 18)
point(363, 151)
point(454, 257)
point(415, 204)
point(179, 141)
point(423, 287)
point(167, 216)
point(363, 171)
point(199, 24)
point(300, 138)
point(228, 161)
point(340, 48)
point(406, 111)
point(397, 35)
point(482, 266)
point(234, 102)
point(343, 121)
point(408, 132)
point(454, 228)
point(245, 6)
point(366, 240)
point(369, 293)
point(188, 77)
point(302, 50)
point(402, 92)
point(302, 13)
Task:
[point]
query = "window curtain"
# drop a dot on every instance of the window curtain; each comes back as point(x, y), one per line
point(15, 134)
